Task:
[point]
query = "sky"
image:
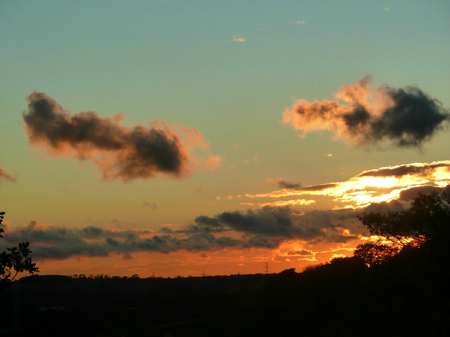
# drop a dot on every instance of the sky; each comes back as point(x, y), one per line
point(185, 138)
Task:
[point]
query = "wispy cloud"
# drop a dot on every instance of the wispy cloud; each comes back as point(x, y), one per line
point(282, 203)
point(301, 22)
point(239, 39)
point(119, 152)
point(407, 117)
point(4, 176)
point(385, 9)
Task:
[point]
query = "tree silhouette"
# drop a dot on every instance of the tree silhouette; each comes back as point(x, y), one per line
point(15, 260)
point(426, 223)
point(375, 253)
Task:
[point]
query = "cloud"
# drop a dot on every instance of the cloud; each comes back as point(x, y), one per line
point(239, 39)
point(119, 152)
point(4, 176)
point(416, 169)
point(127, 256)
point(296, 202)
point(301, 22)
point(385, 9)
point(374, 186)
point(277, 224)
point(282, 183)
point(407, 116)
point(409, 194)
point(55, 242)
point(149, 205)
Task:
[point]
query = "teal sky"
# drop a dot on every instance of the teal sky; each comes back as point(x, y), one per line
point(226, 68)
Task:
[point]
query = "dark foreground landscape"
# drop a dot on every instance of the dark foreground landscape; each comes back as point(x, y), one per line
point(407, 296)
point(396, 289)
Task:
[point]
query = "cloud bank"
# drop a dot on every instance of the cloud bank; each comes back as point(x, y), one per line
point(268, 227)
point(406, 117)
point(119, 152)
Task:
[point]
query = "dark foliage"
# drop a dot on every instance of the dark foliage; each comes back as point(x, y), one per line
point(15, 260)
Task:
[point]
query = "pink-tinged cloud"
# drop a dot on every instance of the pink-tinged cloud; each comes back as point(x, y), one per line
point(119, 152)
point(4, 176)
point(407, 116)
point(239, 39)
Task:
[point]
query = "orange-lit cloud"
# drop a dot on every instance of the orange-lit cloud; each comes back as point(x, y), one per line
point(378, 185)
point(239, 39)
point(407, 116)
point(119, 152)
point(281, 203)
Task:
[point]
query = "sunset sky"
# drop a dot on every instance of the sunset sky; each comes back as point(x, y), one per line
point(188, 137)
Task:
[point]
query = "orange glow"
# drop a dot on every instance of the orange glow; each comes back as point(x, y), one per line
point(367, 187)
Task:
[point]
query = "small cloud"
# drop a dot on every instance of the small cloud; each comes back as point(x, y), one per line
point(239, 39)
point(385, 9)
point(200, 190)
point(218, 198)
point(329, 155)
point(302, 22)
point(127, 256)
point(246, 161)
point(256, 157)
point(281, 183)
point(149, 205)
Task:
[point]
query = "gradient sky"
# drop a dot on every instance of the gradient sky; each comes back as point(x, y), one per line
point(231, 70)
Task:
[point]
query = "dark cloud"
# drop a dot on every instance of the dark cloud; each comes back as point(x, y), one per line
point(56, 242)
point(282, 183)
point(280, 223)
point(300, 252)
point(406, 116)
point(424, 169)
point(321, 187)
point(413, 118)
point(127, 256)
point(409, 194)
point(288, 184)
point(119, 152)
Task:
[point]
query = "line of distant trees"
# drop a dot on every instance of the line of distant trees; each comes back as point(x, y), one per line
point(102, 276)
